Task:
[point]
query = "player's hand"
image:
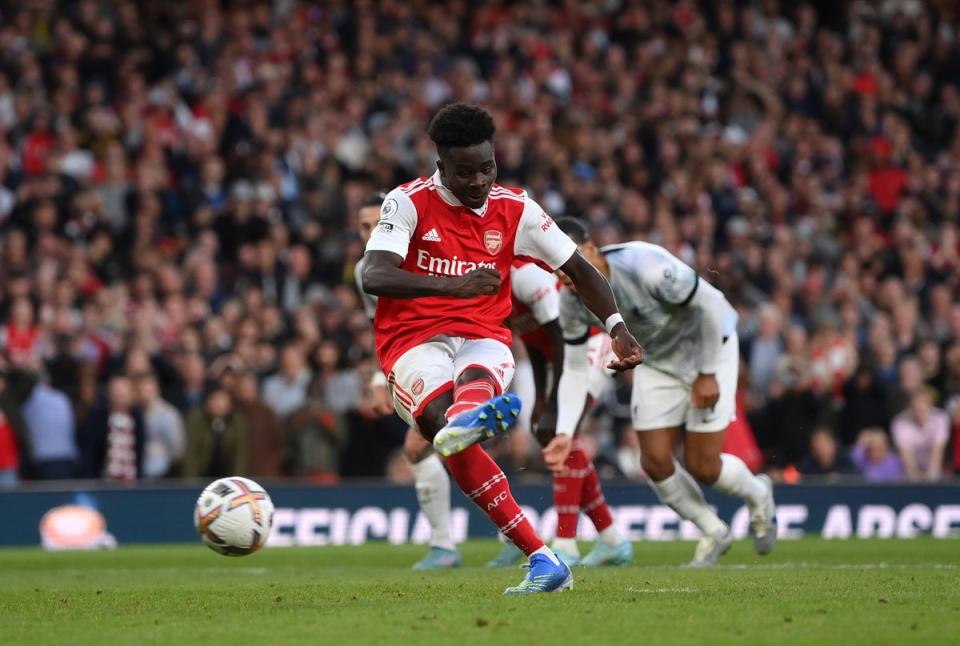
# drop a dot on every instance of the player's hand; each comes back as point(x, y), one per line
point(705, 392)
point(628, 351)
point(479, 282)
point(555, 455)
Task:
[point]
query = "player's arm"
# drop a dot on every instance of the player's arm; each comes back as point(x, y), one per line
point(382, 276)
point(569, 402)
point(540, 238)
point(596, 294)
point(571, 386)
point(387, 249)
point(711, 303)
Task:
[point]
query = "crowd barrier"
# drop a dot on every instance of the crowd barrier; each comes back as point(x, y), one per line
point(354, 513)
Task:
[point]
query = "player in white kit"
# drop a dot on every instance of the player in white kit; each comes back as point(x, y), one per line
point(431, 480)
point(688, 379)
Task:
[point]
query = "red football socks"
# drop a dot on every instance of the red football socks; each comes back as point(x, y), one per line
point(577, 488)
point(470, 395)
point(485, 484)
point(568, 491)
point(593, 503)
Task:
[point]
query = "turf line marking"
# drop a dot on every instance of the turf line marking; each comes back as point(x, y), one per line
point(661, 590)
point(806, 565)
point(165, 570)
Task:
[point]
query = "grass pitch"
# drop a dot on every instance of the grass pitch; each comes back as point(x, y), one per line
point(807, 592)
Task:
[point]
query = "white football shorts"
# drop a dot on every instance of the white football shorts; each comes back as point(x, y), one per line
point(660, 400)
point(428, 370)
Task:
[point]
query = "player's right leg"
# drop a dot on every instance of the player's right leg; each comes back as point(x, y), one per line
point(482, 368)
point(658, 406)
point(433, 493)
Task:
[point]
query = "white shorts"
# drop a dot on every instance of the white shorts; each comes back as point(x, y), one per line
point(660, 400)
point(425, 372)
point(599, 354)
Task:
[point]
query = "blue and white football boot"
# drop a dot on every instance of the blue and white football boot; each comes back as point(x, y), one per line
point(486, 421)
point(544, 576)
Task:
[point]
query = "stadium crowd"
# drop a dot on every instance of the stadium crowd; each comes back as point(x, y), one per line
point(179, 183)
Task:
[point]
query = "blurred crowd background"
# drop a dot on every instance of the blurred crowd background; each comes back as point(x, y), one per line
point(179, 183)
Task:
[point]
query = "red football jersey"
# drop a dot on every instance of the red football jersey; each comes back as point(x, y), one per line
point(425, 224)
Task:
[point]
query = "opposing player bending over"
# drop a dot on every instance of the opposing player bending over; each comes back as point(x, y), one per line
point(576, 487)
point(431, 481)
point(688, 379)
point(440, 262)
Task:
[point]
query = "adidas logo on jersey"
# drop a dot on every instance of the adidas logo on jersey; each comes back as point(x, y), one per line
point(431, 236)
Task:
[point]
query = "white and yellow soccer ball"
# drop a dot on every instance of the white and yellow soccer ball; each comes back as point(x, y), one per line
point(233, 516)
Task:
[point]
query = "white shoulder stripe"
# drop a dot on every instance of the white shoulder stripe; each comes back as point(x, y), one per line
point(413, 186)
point(428, 185)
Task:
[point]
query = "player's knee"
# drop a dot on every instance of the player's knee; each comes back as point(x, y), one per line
point(476, 374)
point(657, 467)
point(705, 468)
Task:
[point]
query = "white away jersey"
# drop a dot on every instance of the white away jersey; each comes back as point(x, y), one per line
point(653, 289)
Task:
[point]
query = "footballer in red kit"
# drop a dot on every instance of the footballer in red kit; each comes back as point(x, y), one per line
point(576, 487)
point(439, 262)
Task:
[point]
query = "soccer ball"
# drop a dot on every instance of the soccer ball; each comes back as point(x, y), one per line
point(233, 516)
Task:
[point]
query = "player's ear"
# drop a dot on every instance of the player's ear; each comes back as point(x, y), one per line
point(443, 173)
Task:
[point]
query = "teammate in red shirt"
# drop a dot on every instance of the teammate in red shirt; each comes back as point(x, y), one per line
point(439, 261)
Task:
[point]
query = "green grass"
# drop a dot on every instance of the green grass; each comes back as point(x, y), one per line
point(810, 591)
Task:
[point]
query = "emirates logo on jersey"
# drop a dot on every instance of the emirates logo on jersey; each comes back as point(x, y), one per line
point(493, 241)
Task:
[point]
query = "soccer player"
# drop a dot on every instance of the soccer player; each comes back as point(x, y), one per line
point(431, 481)
point(576, 487)
point(688, 379)
point(439, 260)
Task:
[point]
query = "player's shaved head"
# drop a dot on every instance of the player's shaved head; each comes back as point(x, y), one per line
point(464, 137)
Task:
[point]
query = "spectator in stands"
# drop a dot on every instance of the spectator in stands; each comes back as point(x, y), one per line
point(825, 457)
point(920, 434)
point(165, 435)
point(112, 438)
point(286, 391)
point(316, 436)
point(265, 434)
point(51, 432)
point(217, 444)
point(765, 350)
point(9, 440)
point(865, 405)
point(873, 457)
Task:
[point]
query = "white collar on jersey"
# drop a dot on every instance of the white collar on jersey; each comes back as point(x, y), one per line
point(447, 196)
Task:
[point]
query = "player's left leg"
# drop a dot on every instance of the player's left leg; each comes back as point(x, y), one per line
point(433, 493)
point(704, 457)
